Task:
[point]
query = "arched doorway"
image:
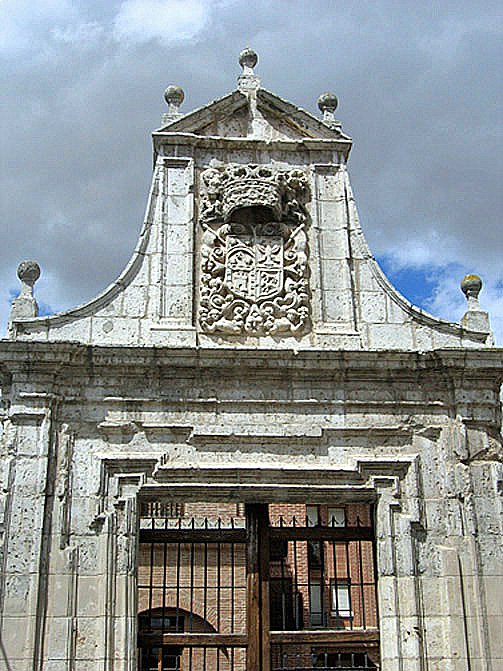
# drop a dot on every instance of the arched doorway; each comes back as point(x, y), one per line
point(155, 654)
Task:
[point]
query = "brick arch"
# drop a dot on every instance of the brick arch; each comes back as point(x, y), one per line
point(199, 624)
point(159, 567)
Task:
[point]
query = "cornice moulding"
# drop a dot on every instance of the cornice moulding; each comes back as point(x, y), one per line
point(38, 354)
point(213, 141)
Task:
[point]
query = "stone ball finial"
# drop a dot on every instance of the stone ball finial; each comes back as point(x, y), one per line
point(174, 95)
point(471, 286)
point(248, 58)
point(25, 305)
point(327, 102)
point(28, 272)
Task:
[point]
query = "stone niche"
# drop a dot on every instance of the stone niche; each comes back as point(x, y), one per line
point(254, 253)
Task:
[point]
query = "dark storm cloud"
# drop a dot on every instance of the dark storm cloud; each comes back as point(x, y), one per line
point(419, 90)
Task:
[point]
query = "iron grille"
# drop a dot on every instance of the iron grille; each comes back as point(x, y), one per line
point(231, 588)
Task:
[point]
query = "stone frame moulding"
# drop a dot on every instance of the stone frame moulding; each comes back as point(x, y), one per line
point(383, 483)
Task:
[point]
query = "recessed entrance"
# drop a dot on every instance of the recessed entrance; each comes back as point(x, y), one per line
point(278, 587)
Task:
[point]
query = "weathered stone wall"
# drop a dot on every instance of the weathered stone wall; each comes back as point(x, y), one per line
point(84, 437)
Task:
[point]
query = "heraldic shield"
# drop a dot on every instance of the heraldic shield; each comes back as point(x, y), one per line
point(254, 265)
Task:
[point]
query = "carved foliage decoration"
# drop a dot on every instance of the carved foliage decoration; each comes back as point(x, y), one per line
point(254, 251)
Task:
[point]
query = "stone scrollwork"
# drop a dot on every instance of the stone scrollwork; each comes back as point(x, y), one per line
point(254, 251)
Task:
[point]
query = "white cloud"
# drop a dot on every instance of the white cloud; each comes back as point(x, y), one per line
point(23, 24)
point(448, 301)
point(28, 26)
point(166, 21)
point(424, 250)
point(80, 34)
point(445, 260)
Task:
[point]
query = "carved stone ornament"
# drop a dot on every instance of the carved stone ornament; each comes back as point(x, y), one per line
point(254, 251)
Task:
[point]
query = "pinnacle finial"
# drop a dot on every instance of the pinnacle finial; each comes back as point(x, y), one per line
point(248, 82)
point(25, 305)
point(28, 272)
point(471, 286)
point(248, 60)
point(327, 104)
point(174, 97)
point(474, 318)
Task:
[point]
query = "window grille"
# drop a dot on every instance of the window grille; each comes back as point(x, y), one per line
point(336, 517)
point(161, 509)
point(311, 660)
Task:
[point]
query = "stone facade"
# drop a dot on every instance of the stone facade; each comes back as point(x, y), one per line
point(252, 351)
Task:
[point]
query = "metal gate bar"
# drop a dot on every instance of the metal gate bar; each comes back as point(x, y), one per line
point(191, 592)
point(217, 594)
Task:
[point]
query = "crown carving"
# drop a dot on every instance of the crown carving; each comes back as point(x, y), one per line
point(229, 188)
point(250, 192)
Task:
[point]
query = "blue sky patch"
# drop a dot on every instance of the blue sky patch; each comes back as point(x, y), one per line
point(416, 284)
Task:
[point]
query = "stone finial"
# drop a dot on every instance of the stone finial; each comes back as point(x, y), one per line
point(327, 104)
point(248, 60)
point(174, 97)
point(28, 272)
point(25, 305)
point(474, 318)
point(471, 286)
point(248, 80)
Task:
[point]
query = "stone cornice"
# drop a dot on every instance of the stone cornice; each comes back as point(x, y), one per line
point(486, 362)
point(161, 138)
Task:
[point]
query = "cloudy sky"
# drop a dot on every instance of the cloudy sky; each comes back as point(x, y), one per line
point(420, 92)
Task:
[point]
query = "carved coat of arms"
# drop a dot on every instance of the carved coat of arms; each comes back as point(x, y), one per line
point(254, 252)
point(254, 265)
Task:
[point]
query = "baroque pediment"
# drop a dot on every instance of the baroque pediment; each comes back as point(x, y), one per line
point(251, 239)
point(269, 116)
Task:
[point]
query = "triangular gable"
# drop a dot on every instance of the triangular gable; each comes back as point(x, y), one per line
point(272, 105)
point(230, 117)
point(204, 116)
